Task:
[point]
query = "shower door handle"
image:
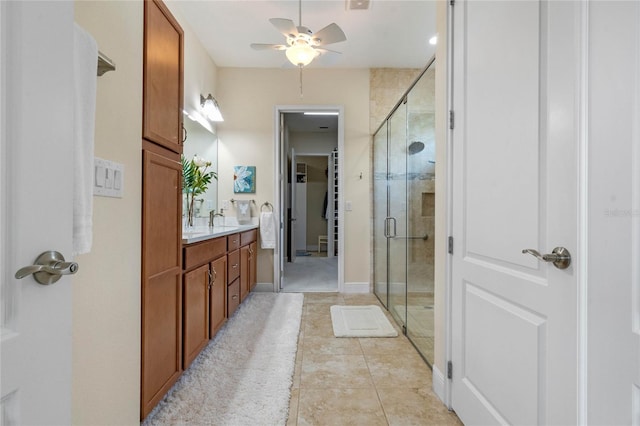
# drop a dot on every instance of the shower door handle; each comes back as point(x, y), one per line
point(386, 227)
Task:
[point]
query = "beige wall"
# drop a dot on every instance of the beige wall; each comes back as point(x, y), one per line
point(247, 97)
point(106, 292)
point(106, 289)
point(441, 189)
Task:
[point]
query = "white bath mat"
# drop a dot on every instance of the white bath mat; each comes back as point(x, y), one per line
point(360, 321)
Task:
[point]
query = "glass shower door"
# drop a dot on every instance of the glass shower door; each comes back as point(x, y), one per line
point(396, 223)
point(421, 213)
point(380, 214)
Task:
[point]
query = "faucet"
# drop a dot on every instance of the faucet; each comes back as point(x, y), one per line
point(213, 214)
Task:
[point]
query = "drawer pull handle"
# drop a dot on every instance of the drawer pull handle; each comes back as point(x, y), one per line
point(234, 297)
point(210, 279)
point(235, 265)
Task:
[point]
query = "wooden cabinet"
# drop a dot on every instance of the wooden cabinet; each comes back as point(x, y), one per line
point(162, 77)
point(248, 257)
point(218, 296)
point(162, 286)
point(161, 350)
point(196, 312)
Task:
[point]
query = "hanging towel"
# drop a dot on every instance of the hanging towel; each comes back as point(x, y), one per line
point(267, 230)
point(85, 65)
point(243, 211)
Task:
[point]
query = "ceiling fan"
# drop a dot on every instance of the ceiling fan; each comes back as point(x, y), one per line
point(303, 46)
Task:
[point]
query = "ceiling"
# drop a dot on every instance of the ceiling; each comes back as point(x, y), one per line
point(389, 34)
point(298, 122)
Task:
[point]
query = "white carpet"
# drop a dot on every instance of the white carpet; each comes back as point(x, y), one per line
point(244, 376)
point(360, 321)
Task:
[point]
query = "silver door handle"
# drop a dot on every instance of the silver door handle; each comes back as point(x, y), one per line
point(560, 257)
point(48, 268)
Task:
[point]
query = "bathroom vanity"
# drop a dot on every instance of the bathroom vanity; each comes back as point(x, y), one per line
point(219, 271)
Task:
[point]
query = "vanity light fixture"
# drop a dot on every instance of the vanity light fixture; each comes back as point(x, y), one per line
point(210, 108)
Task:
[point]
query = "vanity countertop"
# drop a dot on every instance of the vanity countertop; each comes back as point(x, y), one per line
point(202, 233)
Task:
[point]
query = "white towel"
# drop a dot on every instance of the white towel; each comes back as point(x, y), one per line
point(85, 66)
point(243, 211)
point(267, 230)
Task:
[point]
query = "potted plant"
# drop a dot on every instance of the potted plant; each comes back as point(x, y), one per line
point(195, 180)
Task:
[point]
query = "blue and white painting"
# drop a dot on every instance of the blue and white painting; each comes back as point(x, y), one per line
point(244, 179)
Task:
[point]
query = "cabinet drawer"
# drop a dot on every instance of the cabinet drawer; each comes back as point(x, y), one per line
point(233, 242)
point(248, 237)
point(233, 263)
point(199, 253)
point(234, 297)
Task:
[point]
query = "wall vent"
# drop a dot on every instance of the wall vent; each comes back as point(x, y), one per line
point(358, 4)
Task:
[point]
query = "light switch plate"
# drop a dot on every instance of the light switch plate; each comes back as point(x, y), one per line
point(108, 179)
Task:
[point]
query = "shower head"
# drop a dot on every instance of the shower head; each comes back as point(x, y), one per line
point(415, 147)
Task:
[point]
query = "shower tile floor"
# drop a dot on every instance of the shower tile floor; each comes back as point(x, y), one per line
point(366, 381)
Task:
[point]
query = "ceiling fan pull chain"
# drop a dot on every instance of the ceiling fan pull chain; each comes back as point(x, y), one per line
point(300, 13)
point(301, 94)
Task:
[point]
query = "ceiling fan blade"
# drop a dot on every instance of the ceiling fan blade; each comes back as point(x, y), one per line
point(332, 33)
point(285, 26)
point(262, 46)
point(322, 50)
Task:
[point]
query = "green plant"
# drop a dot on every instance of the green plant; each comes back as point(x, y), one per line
point(195, 180)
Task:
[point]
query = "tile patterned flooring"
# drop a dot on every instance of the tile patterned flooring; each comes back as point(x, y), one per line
point(358, 381)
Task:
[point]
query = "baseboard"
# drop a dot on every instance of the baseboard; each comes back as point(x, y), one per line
point(264, 288)
point(357, 288)
point(438, 383)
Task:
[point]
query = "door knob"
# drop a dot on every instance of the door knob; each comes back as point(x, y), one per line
point(560, 257)
point(48, 268)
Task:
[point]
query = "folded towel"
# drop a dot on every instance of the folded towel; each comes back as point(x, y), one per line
point(85, 65)
point(243, 211)
point(267, 230)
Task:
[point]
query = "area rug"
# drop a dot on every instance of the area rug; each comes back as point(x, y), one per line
point(360, 321)
point(244, 375)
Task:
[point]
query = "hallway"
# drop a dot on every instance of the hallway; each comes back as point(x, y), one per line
point(372, 381)
point(311, 274)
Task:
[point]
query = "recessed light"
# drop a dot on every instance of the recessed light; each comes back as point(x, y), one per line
point(321, 113)
point(433, 40)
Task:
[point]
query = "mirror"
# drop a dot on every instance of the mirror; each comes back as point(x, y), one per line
point(202, 142)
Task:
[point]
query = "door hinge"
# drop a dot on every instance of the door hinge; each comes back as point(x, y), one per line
point(452, 2)
point(451, 119)
point(450, 245)
point(449, 370)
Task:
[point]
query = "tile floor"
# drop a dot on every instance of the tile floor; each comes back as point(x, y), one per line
point(359, 381)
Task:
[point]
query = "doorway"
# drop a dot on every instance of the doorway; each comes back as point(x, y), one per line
point(308, 198)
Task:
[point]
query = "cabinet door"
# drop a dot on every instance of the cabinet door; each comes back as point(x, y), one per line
point(218, 295)
point(253, 265)
point(244, 272)
point(196, 312)
point(161, 346)
point(162, 77)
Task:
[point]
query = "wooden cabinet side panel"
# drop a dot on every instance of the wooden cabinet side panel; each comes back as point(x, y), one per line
point(161, 363)
point(218, 296)
point(196, 313)
point(162, 77)
point(161, 212)
point(161, 346)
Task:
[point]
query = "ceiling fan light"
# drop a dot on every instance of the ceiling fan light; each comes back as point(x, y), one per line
point(301, 54)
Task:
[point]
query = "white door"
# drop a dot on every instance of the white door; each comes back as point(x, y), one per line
point(36, 193)
point(293, 215)
point(613, 295)
point(515, 162)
